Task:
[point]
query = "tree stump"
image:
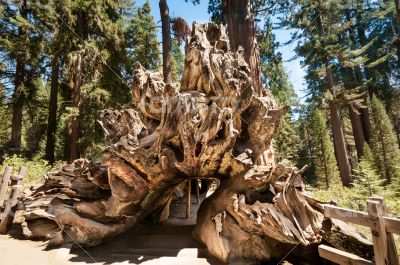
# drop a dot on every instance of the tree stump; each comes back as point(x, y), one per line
point(210, 126)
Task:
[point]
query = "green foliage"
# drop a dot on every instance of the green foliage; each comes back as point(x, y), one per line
point(317, 143)
point(36, 169)
point(350, 199)
point(178, 60)
point(142, 38)
point(384, 143)
point(367, 181)
point(287, 141)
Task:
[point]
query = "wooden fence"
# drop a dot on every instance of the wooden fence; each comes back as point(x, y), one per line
point(8, 200)
point(382, 230)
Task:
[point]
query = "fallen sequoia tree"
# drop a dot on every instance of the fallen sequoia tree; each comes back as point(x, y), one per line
point(212, 125)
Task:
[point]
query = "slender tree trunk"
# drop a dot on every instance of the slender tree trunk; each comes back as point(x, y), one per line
point(73, 130)
point(336, 121)
point(340, 144)
point(378, 128)
point(355, 112)
point(353, 78)
point(364, 111)
point(166, 41)
point(241, 31)
point(357, 127)
point(19, 94)
point(52, 119)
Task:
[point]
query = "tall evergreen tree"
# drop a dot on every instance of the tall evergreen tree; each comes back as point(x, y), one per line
point(142, 38)
point(287, 141)
point(384, 143)
point(178, 60)
point(367, 181)
point(322, 150)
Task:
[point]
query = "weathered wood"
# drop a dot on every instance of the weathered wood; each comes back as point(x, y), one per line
point(341, 257)
point(7, 216)
point(17, 180)
point(392, 225)
point(375, 213)
point(346, 215)
point(4, 184)
point(393, 256)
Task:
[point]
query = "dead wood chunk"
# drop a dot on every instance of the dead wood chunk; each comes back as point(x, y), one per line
point(40, 228)
point(125, 183)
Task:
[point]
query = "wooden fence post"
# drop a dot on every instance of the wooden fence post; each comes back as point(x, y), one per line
point(7, 216)
point(4, 184)
point(377, 225)
point(393, 256)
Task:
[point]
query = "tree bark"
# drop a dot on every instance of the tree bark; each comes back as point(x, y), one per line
point(73, 127)
point(352, 79)
point(166, 41)
point(336, 121)
point(357, 127)
point(340, 144)
point(52, 119)
point(364, 111)
point(241, 32)
point(19, 93)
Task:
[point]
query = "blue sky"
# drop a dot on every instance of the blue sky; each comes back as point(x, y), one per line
point(190, 13)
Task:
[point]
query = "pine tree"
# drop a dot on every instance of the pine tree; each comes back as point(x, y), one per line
point(178, 60)
point(286, 141)
point(384, 143)
point(367, 181)
point(142, 39)
point(21, 46)
point(322, 150)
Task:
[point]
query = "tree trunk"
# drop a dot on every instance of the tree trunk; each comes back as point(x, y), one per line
point(19, 93)
point(364, 111)
point(352, 79)
point(52, 119)
point(166, 41)
point(339, 142)
point(77, 76)
point(241, 32)
point(337, 133)
point(357, 127)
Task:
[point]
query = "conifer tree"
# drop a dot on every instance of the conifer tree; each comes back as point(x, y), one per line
point(178, 60)
point(142, 38)
point(384, 143)
point(286, 141)
point(326, 171)
point(367, 181)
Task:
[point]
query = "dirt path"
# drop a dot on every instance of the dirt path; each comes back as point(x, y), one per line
point(168, 244)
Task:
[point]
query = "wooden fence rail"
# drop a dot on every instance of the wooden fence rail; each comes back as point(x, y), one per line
point(8, 201)
point(382, 230)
